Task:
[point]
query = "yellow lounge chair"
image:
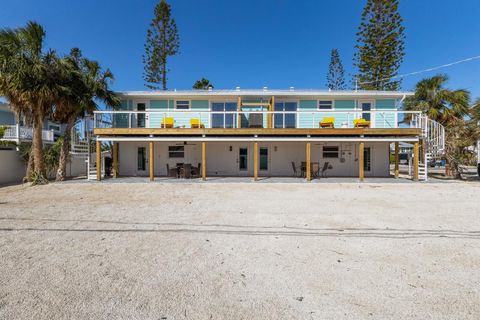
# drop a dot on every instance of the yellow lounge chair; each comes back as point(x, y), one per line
point(167, 122)
point(327, 123)
point(361, 123)
point(196, 123)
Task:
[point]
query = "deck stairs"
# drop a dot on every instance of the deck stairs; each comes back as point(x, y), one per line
point(83, 146)
point(433, 147)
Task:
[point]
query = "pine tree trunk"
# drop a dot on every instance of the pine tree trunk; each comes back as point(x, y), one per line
point(164, 74)
point(37, 144)
point(64, 151)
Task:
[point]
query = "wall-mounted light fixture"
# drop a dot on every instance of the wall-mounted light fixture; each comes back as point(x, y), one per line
point(275, 148)
point(230, 148)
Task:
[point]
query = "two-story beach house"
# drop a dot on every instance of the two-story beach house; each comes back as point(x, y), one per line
point(263, 133)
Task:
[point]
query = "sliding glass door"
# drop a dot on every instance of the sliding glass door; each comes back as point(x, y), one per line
point(285, 120)
point(221, 119)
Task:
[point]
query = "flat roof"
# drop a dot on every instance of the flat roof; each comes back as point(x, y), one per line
point(267, 93)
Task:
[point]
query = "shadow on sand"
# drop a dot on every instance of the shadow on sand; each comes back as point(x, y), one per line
point(230, 229)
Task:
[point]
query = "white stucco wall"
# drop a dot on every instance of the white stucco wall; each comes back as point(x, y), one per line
point(12, 168)
point(223, 162)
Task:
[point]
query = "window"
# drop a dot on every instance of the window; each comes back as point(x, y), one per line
point(141, 159)
point(330, 152)
point(54, 127)
point(176, 151)
point(221, 119)
point(325, 105)
point(367, 163)
point(182, 104)
point(282, 119)
point(243, 159)
point(263, 158)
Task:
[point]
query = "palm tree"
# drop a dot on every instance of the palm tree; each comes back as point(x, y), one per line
point(29, 80)
point(440, 104)
point(449, 107)
point(86, 83)
point(202, 84)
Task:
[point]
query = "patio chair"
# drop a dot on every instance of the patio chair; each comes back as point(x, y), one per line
point(315, 169)
point(327, 123)
point(173, 173)
point(255, 120)
point(167, 122)
point(196, 123)
point(326, 166)
point(361, 123)
point(196, 171)
point(295, 173)
point(187, 171)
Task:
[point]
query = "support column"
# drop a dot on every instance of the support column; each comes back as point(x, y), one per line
point(255, 161)
point(204, 161)
point(239, 115)
point(396, 170)
point(308, 173)
point(99, 159)
point(361, 161)
point(152, 166)
point(270, 115)
point(415, 161)
point(115, 160)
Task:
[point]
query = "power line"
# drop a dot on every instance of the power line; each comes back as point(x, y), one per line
point(424, 70)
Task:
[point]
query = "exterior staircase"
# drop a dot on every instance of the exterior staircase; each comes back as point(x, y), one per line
point(433, 134)
point(83, 146)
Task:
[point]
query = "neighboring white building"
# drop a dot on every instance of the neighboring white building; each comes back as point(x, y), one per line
point(12, 167)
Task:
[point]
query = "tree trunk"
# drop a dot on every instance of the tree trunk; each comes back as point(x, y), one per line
point(37, 144)
point(164, 74)
point(64, 151)
point(30, 167)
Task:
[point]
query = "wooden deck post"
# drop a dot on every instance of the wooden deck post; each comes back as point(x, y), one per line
point(239, 115)
point(152, 166)
point(99, 159)
point(270, 115)
point(255, 161)
point(361, 161)
point(308, 173)
point(115, 160)
point(396, 170)
point(415, 161)
point(204, 161)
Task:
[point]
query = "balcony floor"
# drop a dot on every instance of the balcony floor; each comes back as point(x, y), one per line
point(259, 131)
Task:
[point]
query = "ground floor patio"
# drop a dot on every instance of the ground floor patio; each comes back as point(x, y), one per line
point(258, 160)
point(128, 249)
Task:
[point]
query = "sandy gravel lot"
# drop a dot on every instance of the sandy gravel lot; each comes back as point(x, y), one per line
point(240, 251)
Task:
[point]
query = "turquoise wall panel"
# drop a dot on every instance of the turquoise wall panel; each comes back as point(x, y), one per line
point(344, 104)
point(199, 104)
point(306, 120)
point(385, 104)
point(156, 118)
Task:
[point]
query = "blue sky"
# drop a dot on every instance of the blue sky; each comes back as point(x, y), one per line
point(253, 43)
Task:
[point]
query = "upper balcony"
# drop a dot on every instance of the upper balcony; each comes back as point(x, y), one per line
point(18, 133)
point(318, 122)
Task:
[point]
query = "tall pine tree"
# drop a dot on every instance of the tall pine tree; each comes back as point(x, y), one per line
point(162, 42)
point(336, 73)
point(380, 46)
